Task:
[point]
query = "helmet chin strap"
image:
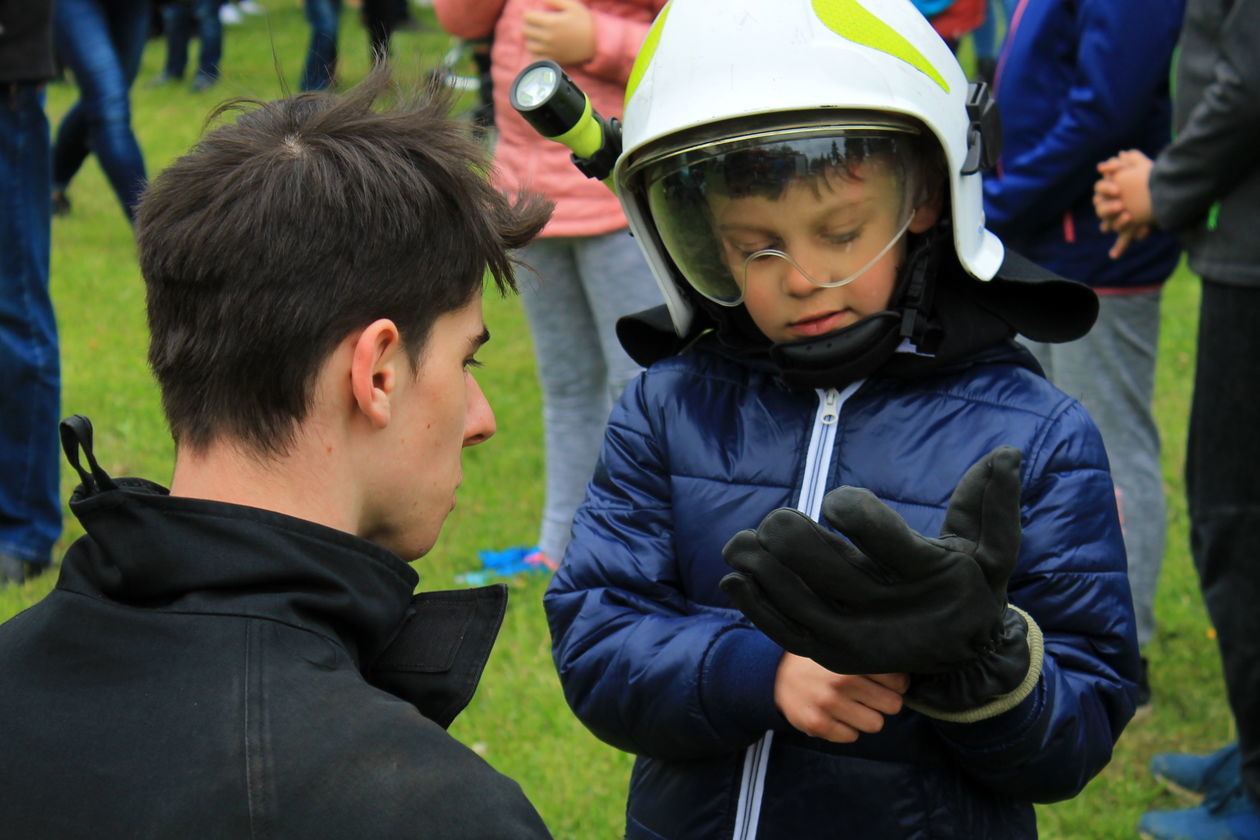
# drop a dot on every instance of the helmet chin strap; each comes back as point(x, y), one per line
point(853, 352)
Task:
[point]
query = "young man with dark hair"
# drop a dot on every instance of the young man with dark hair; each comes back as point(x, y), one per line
point(242, 656)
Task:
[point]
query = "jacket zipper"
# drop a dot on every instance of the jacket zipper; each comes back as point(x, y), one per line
point(818, 456)
point(813, 487)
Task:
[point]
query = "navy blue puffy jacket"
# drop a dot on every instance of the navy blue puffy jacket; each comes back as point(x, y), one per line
point(1079, 81)
point(655, 661)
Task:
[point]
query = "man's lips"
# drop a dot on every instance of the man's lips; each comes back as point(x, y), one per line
point(818, 324)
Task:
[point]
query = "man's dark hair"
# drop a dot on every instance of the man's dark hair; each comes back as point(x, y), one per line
point(304, 220)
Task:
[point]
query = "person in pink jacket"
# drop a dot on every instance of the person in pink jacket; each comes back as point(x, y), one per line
point(589, 270)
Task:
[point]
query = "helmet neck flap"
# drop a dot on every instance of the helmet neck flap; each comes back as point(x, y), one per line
point(946, 314)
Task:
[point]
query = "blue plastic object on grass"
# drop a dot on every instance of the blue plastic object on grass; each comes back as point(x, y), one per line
point(520, 559)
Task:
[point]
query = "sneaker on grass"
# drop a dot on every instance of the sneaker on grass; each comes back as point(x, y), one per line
point(1195, 776)
point(1226, 814)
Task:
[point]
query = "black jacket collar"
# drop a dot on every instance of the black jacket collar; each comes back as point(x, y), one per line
point(148, 549)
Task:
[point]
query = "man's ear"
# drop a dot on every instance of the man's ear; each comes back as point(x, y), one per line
point(377, 362)
point(929, 212)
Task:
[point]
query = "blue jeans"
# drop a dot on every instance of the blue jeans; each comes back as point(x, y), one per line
point(30, 373)
point(101, 41)
point(1224, 497)
point(179, 17)
point(321, 57)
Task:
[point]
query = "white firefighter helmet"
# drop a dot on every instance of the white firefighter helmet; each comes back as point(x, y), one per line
point(713, 78)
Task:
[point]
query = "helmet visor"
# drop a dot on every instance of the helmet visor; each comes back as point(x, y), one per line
point(827, 202)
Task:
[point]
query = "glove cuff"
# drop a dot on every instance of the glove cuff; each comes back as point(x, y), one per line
point(1003, 702)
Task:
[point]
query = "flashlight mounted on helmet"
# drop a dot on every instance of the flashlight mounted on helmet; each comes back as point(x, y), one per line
point(559, 110)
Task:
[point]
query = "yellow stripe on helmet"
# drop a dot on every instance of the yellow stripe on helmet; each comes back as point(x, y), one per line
point(644, 58)
point(849, 19)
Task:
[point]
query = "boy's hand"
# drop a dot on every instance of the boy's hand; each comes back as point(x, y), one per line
point(563, 31)
point(892, 600)
point(835, 707)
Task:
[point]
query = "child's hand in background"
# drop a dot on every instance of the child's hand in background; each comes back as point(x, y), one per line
point(564, 31)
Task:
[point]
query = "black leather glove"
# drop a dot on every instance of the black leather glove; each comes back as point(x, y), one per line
point(888, 599)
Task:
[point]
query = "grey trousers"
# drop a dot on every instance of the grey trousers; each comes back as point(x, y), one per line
point(582, 286)
point(1112, 372)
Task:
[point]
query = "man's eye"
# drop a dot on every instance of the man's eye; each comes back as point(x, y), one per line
point(471, 363)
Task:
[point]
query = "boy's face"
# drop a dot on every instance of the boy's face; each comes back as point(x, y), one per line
point(832, 227)
point(437, 413)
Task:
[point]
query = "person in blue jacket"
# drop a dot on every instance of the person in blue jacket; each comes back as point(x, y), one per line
point(838, 317)
point(1104, 88)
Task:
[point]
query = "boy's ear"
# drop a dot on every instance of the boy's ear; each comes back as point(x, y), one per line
point(929, 212)
point(375, 367)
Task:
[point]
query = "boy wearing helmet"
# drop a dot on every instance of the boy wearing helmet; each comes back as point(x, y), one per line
point(838, 318)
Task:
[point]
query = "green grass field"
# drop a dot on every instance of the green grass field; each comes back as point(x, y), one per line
point(519, 720)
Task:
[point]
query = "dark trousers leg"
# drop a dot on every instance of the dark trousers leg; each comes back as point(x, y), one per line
point(324, 17)
point(1223, 491)
point(378, 17)
point(210, 31)
point(101, 41)
point(177, 18)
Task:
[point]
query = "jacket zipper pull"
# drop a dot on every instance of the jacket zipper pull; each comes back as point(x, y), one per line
point(831, 406)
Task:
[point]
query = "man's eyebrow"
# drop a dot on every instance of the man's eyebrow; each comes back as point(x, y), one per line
point(478, 340)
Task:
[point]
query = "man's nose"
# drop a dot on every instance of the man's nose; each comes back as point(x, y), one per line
point(479, 423)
